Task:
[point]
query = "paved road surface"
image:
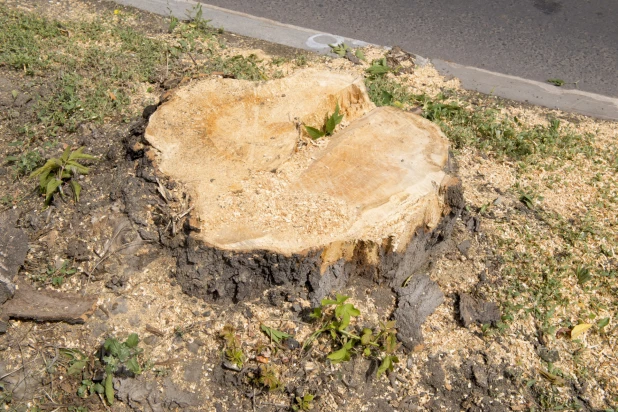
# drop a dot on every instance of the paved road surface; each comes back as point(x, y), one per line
point(535, 39)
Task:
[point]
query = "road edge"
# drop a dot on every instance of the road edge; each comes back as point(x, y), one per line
point(472, 78)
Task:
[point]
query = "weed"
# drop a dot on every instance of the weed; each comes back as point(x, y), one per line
point(335, 316)
point(238, 67)
point(57, 171)
point(340, 49)
point(173, 21)
point(301, 60)
point(59, 275)
point(232, 350)
point(267, 377)
point(275, 335)
point(25, 163)
point(378, 68)
point(303, 403)
point(196, 19)
point(330, 123)
point(115, 357)
point(556, 82)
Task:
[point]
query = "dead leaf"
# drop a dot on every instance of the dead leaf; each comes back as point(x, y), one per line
point(111, 95)
point(262, 359)
point(553, 379)
point(579, 330)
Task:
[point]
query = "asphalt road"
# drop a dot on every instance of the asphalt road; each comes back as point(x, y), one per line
point(572, 40)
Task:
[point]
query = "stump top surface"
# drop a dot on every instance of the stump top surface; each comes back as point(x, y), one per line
point(235, 144)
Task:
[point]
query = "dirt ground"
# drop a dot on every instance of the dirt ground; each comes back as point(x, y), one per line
point(120, 242)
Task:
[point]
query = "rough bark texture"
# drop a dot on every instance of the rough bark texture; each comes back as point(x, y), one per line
point(48, 306)
point(13, 250)
point(213, 274)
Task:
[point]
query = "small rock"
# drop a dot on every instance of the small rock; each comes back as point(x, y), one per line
point(120, 306)
point(291, 343)
point(498, 201)
point(101, 314)
point(230, 366)
point(193, 372)
point(551, 356)
point(464, 247)
point(480, 376)
point(150, 340)
point(296, 308)
point(193, 347)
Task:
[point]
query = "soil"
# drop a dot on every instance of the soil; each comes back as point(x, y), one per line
point(124, 237)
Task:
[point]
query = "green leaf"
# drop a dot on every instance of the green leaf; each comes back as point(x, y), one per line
point(50, 189)
point(112, 346)
point(50, 165)
point(316, 314)
point(133, 366)
point(339, 49)
point(132, 340)
point(65, 155)
point(314, 133)
point(556, 82)
point(14, 93)
point(378, 67)
point(77, 168)
point(342, 298)
point(603, 323)
point(367, 336)
point(77, 154)
point(109, 389)
point(77, 188)
point(98, 388)
point(387, 364)
point(76, 367)
point(274, 334)
point(333, 121)
point(343, 354)
point(346, 309)
point(359, 53)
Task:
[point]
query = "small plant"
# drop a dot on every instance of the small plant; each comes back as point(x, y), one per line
point(25, 163)
point(556, 82)
point(329, 125)
point(115, 357)
point(275, 335)
point(304, 403)
point(232, 350)
point(57, 171)
point(335, 316)
point(340, 49)
point(378, 67)
point(58, 275)
point(583, 274)
point(119, 355)
point(267, 377)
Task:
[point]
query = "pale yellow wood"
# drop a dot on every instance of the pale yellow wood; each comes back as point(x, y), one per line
point(257, 184)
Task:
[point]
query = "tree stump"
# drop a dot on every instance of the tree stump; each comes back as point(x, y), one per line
point(273, 207)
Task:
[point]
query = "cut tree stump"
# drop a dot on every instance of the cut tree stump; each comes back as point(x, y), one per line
point(273, 207)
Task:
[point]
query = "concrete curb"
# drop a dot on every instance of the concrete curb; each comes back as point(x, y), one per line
point(484, 81)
